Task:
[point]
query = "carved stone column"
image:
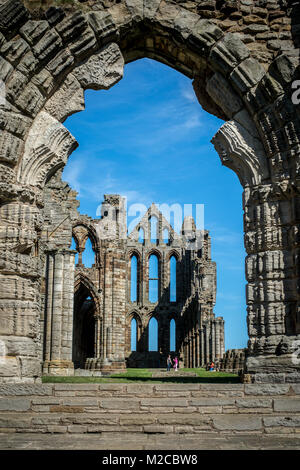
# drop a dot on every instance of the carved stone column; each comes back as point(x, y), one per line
point(59, 312)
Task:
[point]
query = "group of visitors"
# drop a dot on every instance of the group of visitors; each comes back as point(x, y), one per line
point(211, 367)
point(171, 363)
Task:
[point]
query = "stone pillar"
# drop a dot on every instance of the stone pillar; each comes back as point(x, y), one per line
point(217, 333)
point(59, 312)
point(213, 340)
point(207, 343)
point(20, 291)
point(201, 339)
point(194, 350)
point(272, 293)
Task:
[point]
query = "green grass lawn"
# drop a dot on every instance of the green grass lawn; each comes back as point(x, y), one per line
point(145, 376)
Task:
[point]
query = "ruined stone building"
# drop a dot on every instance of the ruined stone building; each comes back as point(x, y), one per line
point(243, 58)
point(129, 287)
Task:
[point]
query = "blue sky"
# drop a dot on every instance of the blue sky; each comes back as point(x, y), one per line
point(147, 138)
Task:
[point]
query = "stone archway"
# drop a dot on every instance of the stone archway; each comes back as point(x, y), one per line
point(48, 63)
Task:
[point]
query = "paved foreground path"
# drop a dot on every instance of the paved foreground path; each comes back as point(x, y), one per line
point(138, 441)
point(149, 416)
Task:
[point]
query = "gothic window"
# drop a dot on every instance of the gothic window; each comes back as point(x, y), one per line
point(133, 279)
point(133, 329)
point(153, 229)
point(153, 279)
point(173, 266)
point(88, 255)
point(153, 335)
point(172, 335)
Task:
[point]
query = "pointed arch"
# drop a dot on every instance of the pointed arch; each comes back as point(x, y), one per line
point(173, 278)
point(172, 330)
point(153, 277)
point(153, 334)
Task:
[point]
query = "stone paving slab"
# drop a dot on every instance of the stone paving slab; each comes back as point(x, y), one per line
point(135, 441)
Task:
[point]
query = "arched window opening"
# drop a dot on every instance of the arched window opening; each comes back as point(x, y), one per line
point(153, 335)
point(172, 335)
point(88, 255)
point(133, 279)
point(74, 247)
point(133, 329)
point(153, 279)
point(173, 266)
point(83, 327)
point(141, 235)
point(153, 229)
point(166, 237)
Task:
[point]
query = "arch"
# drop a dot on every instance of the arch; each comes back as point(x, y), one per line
point(153, 278)
point(259, 141)
point(88, 254)
point(83, 229)
point(81, 279)
point(153, 334)
point(134, 278)
point(173, 278)
point(84, 324)
point(134, 334)
point(172, 327)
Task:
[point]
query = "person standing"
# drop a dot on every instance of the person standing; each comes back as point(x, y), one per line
point(176, 363)
point(169, 363)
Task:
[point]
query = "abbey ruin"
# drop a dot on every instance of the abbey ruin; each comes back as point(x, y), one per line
point(109, 295)
point(243, 58)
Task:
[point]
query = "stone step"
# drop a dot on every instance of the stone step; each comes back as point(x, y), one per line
point(150, 409)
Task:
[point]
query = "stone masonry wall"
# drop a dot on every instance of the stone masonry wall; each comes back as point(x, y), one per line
point(48, 58)
point(194, 409)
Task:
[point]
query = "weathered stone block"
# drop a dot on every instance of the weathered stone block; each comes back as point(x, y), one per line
point(62, 61)
point(266, 389)
point(237, 423)
point(14, 404)
point(30, 367)
point(32, 31)
point(247, 74)
point(10, 147)
point(30, 100)
point(166, 402)
point(12, 15)
point(54, 15)
point(101, 70)
point(28, 64)
point(103, 25)
point(287, 404)
point(223, 95)
point(5, 69)
point(254, 403)
point(48, 46)
point(25, 389)
point(119, 403)
point(204, 36)
point(211, 401)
